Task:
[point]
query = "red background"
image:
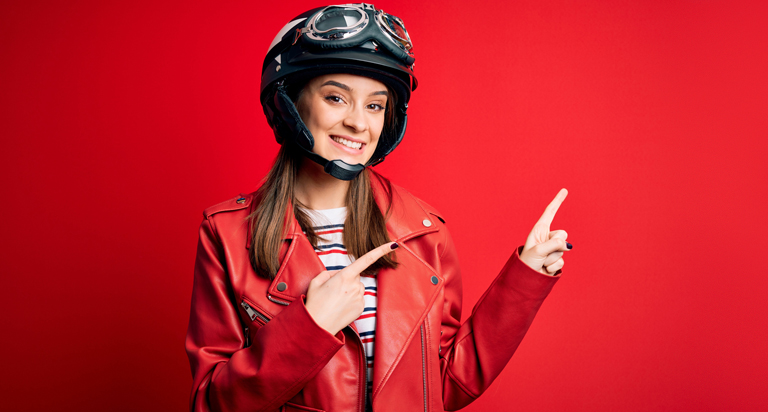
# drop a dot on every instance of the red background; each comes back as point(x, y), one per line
point(122, 121)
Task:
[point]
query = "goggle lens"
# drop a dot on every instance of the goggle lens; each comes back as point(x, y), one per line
point(345, 22)
point(338, 19)
point(396, 29)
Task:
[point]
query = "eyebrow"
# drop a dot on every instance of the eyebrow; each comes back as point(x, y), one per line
point(347, 88)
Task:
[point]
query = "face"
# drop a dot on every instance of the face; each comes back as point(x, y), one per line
point(345, 114)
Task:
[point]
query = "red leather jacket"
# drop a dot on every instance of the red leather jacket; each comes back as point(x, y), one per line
point(253, 346)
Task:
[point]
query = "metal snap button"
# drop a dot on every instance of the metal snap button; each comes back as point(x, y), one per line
point(434, 280)
point(281, 286)
point(426, 222)
point(241, 200)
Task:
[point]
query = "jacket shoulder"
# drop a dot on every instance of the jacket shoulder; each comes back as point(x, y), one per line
point(239, 202)
point(408, 197)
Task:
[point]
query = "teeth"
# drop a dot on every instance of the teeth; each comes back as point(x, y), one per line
point(345, 142)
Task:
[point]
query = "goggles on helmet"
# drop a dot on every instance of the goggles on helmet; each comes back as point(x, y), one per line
point(350, 25)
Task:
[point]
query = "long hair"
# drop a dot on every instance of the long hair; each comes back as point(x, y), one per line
point(364, 229)
point(365, 226)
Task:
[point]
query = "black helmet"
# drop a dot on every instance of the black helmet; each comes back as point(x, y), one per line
point(350, 38)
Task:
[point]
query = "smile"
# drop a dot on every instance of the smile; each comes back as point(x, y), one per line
point(347, 143)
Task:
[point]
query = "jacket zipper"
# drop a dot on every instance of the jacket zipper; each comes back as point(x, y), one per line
point(423, 367)
point(253, 313)
point(277, 301)
point(363, 372)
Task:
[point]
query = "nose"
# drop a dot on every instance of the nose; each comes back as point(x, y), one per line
point(356, 120)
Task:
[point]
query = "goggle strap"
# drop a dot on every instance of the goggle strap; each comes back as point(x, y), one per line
point(298, 34)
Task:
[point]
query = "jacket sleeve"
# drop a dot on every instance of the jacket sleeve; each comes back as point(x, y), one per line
point(285, 353)
point(475, 352)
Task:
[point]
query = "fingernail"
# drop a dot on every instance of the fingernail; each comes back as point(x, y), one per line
point(568, 245)
point(395, 246)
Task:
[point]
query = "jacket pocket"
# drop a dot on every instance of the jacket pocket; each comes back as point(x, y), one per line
point(258, 318)
point(292, 407)
point(254, 313)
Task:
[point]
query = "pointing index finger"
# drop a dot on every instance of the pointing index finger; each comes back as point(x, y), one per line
point(549, 213)
point(363, 262)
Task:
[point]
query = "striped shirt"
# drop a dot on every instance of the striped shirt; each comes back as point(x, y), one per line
point(329, 227)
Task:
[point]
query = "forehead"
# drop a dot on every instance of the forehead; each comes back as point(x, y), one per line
point(353, 82)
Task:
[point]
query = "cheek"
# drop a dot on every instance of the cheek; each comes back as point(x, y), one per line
point(377, 126)
point(312, 119)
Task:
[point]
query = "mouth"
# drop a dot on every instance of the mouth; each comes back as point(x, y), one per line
point(347, 143)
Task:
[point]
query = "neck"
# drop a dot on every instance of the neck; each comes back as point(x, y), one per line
point(318, 190)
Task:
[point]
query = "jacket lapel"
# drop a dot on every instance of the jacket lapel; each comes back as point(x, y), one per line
point(299, 263)
point(405, 295)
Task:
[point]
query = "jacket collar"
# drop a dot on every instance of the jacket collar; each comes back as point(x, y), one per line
point(407, 218)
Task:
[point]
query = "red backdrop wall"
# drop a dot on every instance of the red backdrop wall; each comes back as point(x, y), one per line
point(122, 121)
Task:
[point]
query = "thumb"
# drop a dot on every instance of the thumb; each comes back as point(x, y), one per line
point(556, 244)
point(537, 255)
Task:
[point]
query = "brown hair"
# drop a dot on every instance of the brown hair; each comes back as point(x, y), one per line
point(365, 226)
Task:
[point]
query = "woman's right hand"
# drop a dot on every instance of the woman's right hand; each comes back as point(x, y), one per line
point(335, 298)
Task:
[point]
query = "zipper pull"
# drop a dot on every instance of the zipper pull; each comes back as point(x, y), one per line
point(249, 310)
point(253, 313)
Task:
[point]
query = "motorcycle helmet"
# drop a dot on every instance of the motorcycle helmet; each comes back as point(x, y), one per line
point(352, 39)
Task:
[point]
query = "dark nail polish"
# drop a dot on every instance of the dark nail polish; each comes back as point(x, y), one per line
point(395, 246)
point(568, 245)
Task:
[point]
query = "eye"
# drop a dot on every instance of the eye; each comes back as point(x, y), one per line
point(333, 98)
point(376, 107)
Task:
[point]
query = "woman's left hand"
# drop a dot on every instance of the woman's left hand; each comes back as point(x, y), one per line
point(543, 250)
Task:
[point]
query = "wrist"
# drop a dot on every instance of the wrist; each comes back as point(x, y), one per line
point(321, 321)
point(532, 263)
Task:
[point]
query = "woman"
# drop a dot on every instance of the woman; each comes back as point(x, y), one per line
point(283, 316)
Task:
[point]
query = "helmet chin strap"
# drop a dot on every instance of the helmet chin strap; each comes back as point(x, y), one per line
point(336, 168)
point(343, 170)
